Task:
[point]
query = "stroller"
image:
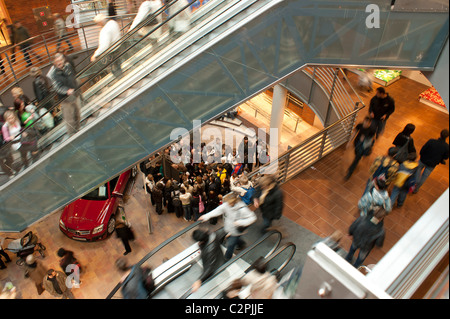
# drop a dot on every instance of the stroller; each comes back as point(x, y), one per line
point(25, 246)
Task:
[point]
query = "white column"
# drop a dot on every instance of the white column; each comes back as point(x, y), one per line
point(278, 106)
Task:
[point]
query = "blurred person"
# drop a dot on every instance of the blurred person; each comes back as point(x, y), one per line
point(6, 158)
point(146, 9)
point(12, 37)
point(35, 271)
point(64, 81)
point(109, 35)
point(67, 258)
point(111, 8)
point(133, 280)
point(367, 232)
point(381, 106)
point(61, 31)
point(55, 283)
point(237, 218)
point(363, 140)
point(268, 198)
point(433, 153)
point(262, 283)
point(22, 36)
point(158, 196)
point(211, 253)
point(12, 132)
point(181, 22)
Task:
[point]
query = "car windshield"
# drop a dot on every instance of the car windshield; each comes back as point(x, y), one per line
point(100, 193)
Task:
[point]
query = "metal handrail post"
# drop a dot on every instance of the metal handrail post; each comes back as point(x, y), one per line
point(11, 67)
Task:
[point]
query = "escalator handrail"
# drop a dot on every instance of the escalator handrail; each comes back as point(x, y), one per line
point(279, 251)
point(154, 251)
point(53, 94)
point(239, 256)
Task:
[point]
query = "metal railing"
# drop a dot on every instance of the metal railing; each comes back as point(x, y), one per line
point(39, 50)
point(311, 150)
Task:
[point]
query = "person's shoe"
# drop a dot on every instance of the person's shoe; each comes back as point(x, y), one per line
point(126, 253)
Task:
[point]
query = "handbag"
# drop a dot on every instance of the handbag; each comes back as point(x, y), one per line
point(402, 153)
point(201, 205)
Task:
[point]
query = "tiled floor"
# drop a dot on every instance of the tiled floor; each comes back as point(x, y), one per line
point(317, 199)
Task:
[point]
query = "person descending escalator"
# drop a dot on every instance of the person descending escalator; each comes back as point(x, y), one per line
point(237, 218)
point(211, 253)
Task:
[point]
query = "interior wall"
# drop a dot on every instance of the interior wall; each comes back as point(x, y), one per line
point(22, 10)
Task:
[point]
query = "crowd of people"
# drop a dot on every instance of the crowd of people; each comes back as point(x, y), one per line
point(393, 176)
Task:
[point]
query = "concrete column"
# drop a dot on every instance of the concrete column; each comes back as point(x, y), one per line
point(278, 106)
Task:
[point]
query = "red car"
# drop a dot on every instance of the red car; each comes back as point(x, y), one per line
point(92, 217)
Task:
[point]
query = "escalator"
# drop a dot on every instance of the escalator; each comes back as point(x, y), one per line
point(238, 267)
point(176, 263)
point(235, 51)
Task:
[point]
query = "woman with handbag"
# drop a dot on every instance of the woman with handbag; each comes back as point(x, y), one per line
point(405, 143)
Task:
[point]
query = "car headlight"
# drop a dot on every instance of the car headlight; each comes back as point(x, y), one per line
point(97, 229)
point(61, 223)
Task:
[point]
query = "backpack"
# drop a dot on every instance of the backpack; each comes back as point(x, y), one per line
point(176, 201)
point(383, 170)
point(248, 196)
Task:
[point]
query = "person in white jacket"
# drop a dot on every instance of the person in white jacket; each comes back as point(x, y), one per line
point(145, 9)
point(181, 22)
point(109, 34)
point(237, 218)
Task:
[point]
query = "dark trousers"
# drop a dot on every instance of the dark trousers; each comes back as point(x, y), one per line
point(4, 254)
point(126, 244)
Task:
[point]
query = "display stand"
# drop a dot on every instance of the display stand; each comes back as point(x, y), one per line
point(432, 98)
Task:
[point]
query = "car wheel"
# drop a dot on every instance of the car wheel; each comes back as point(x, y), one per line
point(111, 225)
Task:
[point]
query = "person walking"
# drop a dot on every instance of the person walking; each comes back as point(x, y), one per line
point(383, 167)
point(237, 218)
point(132, 280)
point(22, 36)
point(433, 153)
point(367, 232)
point(376, 198)
point(381, 106)
point(61, 31)
point(109, 35)
point(402, 182)
point(35, 271)
point(63, 77)
point(405, 143)
point(268, 199)
point(55, 283)
point(211, 253)
point(363, 139)
point(123, 231)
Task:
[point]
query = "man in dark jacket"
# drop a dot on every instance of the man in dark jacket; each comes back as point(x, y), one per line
point(381, 107)
point(367, 231)
point(268, 198)
point(133, 280)
point(433, 153)
point(65, 83)
point(211, 253)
